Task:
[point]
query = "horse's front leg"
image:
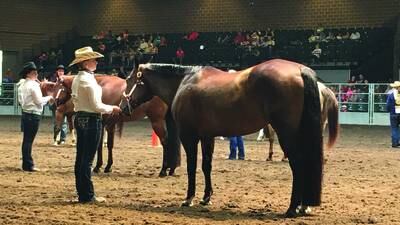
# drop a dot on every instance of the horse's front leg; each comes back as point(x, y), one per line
point(71, 128)
point(99, 162)
point(190, 146)
point(207, 149)
point(110, 146)
point(161, 131)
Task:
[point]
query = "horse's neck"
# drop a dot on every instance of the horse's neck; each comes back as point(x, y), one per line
point(166, 89)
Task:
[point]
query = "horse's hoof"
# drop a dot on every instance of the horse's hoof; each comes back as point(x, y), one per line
point(107, 170)
point(291, 213)
point(269, 159)
point(162, 173)
point(171, 172)
point(96, 170)
point(303, 210)
point(187, 203)
point(205, 202)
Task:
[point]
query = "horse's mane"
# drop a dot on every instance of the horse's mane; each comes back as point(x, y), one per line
point(172, 69)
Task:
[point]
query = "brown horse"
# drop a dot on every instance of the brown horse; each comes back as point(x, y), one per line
point(329, 115)
point(207, 102)
point(156, 110)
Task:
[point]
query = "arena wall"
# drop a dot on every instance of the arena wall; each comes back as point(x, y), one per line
point(151, 16)
point(27, 22)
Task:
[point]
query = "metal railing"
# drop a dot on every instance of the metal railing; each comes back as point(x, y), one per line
point(358, 103)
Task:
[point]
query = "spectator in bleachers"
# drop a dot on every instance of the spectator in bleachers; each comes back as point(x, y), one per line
point(330, 36)
point(361, 79)
point(316, 53)
point(192, 36)
point(180, 55)
point(255, 38)
point(163, 41)
point(352, 79)
point(9, 76)
point(393, 107)
point(239, 38)
point(355, 35)
point(270, 33)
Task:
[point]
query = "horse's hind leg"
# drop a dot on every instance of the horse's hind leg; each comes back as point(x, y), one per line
point(110, 146)
point(287, 139)
point(207, 149)
point(269, 133)
point(189, 143)
point(99, 162)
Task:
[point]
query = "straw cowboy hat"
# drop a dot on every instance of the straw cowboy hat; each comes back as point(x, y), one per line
point(85, 53)
point(395, 84)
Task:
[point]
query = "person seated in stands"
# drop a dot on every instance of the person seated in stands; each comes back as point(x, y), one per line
point(255, 38)
point(125, 35)
point(246, 41)
point(316, 53)
point(223, 39)
point(330, 37)
point(314, 37)
point(180, 54)
point(192, 36)
point(163, 41)
point(239, 38)
point(157, 40)
point(355, 35)
point(352, 79)
point(102, 47)
point(361, 79)
point(9, 76)
point(143, 45)
point(270, 33)
point(346, 36)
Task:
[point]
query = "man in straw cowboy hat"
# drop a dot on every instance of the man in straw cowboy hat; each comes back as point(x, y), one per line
point(393, 106)
point(86, 96)
point(32, 101)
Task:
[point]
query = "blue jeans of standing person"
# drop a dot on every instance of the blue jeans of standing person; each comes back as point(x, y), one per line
point(236, 142)
point(394, 125)
point(29, 126)
point(88, 129)
point(63, 134)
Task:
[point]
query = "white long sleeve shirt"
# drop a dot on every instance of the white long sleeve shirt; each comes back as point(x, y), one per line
point(30, 97)
point(86, 94)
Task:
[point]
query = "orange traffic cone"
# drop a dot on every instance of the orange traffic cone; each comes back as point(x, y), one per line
point(155, 141)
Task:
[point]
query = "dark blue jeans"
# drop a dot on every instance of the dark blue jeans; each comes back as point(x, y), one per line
point(30, 126)
point(394, 125)
point(88, 130)
point(236, 142)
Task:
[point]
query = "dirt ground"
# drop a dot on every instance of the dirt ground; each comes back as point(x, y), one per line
point(361, 183)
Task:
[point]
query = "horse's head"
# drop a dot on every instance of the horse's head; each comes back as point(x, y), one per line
point(62, 93)
point(136, 92)
point(47, 88)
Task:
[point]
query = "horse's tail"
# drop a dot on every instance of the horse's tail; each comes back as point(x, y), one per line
point(310, 140)
point(332, 107)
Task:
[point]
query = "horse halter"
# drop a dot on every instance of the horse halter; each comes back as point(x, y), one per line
point(57, 101)
point(127, 97)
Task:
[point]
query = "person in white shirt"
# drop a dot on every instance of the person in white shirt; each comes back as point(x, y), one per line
point(32, 101)
point(86, 96)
